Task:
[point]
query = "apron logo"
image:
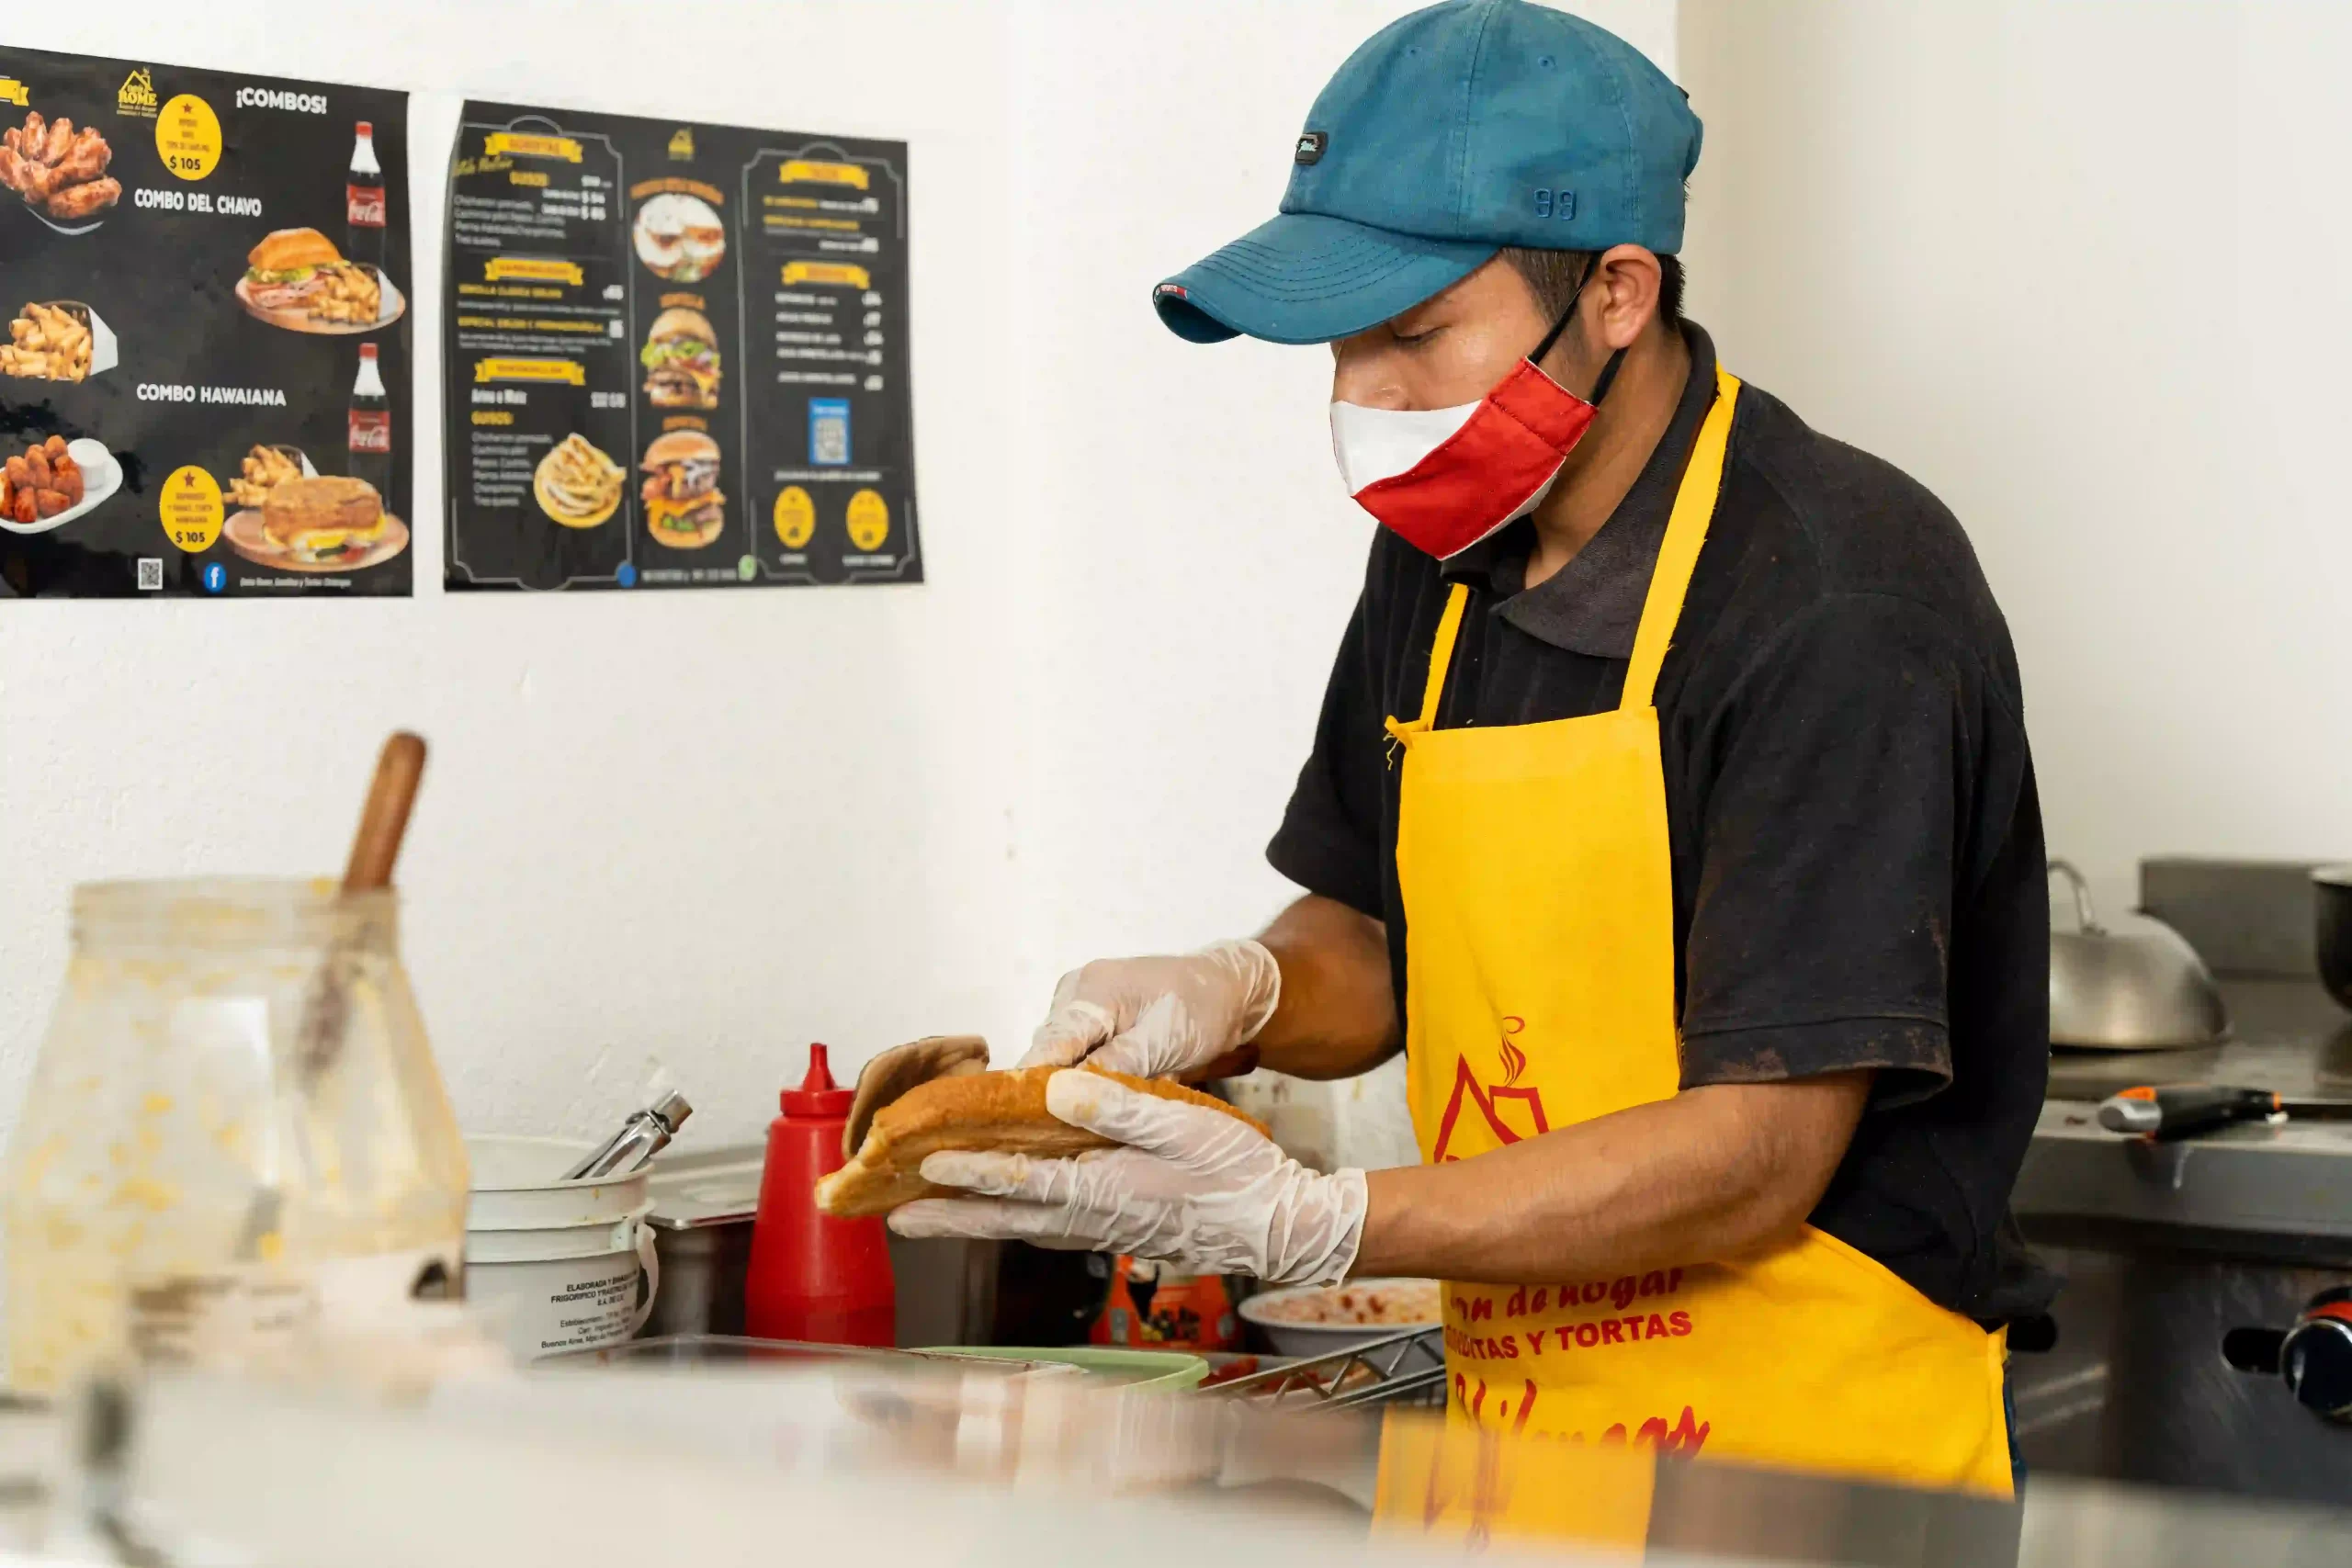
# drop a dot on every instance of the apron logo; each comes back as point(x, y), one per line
point(1687, 1436)
point(1489, 1098)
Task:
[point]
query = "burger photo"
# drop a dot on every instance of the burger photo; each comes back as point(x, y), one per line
point(681, 360)
point(682, 507)
point(301, 268)
point(679, 237)
point(322, 521)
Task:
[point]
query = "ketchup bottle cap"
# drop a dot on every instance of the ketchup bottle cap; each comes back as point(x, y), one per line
point(818, 1094)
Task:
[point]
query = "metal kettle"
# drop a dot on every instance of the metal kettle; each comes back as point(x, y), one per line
point(2134, 986)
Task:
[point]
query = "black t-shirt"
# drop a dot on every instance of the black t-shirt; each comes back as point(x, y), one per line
point(1859, 876)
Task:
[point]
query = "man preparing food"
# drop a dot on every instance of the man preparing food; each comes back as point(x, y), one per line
point(1671, 807)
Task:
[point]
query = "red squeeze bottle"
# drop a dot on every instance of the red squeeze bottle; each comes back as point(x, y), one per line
point(814, 1278)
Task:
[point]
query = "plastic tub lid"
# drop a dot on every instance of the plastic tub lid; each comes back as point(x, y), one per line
point(1170, 1372)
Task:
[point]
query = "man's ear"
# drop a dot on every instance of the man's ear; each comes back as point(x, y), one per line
point(1622, 298)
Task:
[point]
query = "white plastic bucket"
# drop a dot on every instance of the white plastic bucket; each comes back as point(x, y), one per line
point(560, 1262)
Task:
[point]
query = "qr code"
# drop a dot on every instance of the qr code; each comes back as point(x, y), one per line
point(829, 441)
point(151, 574)
point(828, 431)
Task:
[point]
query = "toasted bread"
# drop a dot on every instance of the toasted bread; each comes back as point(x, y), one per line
point(1002, 1110)
point(315, 518)
point(284, 250)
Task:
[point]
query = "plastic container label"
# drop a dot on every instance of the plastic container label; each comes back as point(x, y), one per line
point(229, 1314)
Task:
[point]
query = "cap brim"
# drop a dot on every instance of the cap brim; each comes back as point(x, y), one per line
point(1307, 278)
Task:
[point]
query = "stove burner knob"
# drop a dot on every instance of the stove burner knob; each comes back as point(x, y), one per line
point(2316, 1356)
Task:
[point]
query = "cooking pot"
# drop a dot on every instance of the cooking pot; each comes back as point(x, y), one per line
point(2134, 986)
point(2332, 891)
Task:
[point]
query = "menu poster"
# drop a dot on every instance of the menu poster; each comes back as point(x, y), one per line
point(676, 356)
point(204, 384)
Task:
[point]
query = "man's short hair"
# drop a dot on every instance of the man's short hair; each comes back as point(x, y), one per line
point(1553, 277)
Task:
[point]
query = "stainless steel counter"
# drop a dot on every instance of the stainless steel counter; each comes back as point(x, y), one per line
point(2281, 1191)
point(2286, 1035)
point(559, 1468)
point(2284, 1192)
point(2180, 1258)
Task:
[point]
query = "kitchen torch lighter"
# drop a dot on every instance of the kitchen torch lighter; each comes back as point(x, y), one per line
point(2177, 1110)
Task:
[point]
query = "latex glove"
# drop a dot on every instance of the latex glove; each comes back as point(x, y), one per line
point(1160, 1017)
point(1191, 1186)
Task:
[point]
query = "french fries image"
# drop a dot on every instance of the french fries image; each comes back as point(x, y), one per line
point(352, 294)
point(47, 343)
point(264, 469)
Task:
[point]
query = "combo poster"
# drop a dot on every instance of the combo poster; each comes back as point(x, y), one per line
point(204, 384)
point(676, 356)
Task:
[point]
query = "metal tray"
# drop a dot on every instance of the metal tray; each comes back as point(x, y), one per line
point(1407, 1367)
point(737, 1351)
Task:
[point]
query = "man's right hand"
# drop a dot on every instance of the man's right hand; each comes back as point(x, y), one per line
point(1165, 1017)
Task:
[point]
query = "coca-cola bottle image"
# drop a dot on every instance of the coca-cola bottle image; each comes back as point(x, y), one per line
point(371, 426)
point(363, 202)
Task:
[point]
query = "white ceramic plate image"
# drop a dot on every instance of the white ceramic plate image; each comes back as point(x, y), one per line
point(101, 477)
point(390, 303)
point(81, 228)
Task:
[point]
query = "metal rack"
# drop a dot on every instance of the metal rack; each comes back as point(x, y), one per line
point(1406, 1368)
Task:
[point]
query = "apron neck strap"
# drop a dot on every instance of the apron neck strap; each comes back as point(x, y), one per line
point(1448, 626)
point(1685, 530)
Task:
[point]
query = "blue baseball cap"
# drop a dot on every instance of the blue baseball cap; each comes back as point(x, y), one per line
point(1451, 133)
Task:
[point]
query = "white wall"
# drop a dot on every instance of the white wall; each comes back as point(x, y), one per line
point(1986, 240)
point(681, 835)
point(1192, 557)
point(661, 832)
point(2082, 269)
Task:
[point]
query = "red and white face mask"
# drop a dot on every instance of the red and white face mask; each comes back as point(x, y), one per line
point(1445, 479)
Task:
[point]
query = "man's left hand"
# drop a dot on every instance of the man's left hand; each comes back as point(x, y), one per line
point(1189, 1186)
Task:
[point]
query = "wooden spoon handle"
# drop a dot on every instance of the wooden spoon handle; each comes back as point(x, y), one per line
point(385, 820)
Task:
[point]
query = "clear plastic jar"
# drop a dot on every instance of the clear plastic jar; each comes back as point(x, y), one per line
point(183, 1184)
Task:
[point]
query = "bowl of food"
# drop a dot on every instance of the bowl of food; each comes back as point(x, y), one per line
point(1316, 1320)
point(680, 237)
point(577, 483)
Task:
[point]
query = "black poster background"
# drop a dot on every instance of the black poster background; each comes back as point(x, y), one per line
point(823, 338)
point(162, 280)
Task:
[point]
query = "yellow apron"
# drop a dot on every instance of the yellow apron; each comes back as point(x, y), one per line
point(1539, 961)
